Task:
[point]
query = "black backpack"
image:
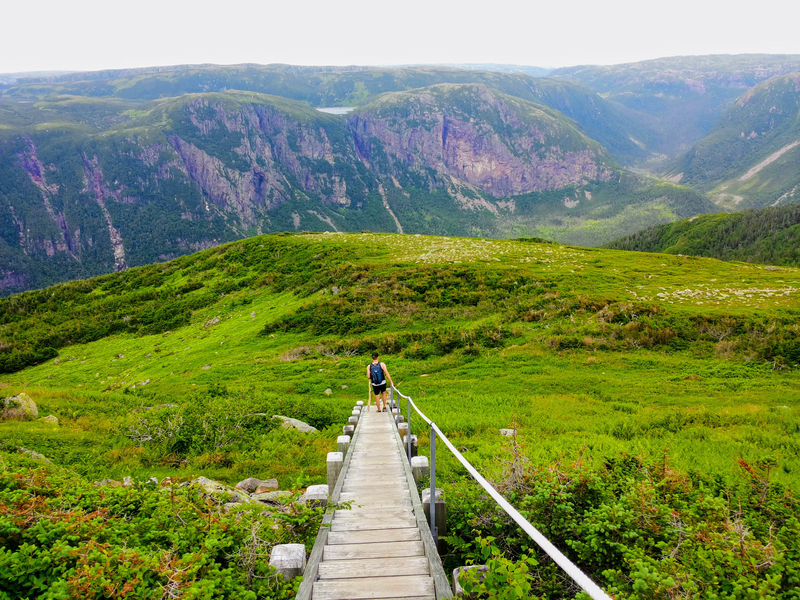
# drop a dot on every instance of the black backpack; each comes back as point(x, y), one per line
point(376, 374)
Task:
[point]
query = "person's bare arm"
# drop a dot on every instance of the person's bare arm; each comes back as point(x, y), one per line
point(386, 372)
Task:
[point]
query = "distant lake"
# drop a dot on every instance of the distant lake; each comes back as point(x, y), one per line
point(336, 110)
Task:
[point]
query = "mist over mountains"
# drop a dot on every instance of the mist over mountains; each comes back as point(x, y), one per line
point(105, 170)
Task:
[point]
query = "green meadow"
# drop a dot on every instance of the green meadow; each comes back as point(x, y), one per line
point(669, 375)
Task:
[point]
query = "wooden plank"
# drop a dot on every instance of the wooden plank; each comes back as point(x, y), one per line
point(376, 550)
point(371, 514)
point(368, 524)
point(375, 588)
point(370, 567)
point(371, 536)
point(398, 485)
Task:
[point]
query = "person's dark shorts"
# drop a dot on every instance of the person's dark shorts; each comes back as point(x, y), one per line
point(379, 389)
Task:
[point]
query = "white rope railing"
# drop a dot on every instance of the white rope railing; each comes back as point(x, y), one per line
point(578, 576)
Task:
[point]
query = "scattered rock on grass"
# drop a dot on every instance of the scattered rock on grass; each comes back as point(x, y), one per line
point(281, 497)
point(34, 455)
point(270, 485)
point(249, 485)
point(19, 408)
point(289, 423)
point(328, 392)
point(108, 483)
point(211, 322)
point(219, 492)
point(50, 420)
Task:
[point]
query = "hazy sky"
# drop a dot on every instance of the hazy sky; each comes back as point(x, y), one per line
point(91, 34)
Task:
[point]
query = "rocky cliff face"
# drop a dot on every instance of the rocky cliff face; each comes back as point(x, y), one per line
point(497, 144)
point(275, 153)
point(196, 171)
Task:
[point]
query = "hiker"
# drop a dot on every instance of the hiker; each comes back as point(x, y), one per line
point(377, 373)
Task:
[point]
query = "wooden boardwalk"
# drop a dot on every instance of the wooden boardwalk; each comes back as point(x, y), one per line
point(378, 548)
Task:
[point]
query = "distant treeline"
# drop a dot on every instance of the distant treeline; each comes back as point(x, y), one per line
point(768, 236)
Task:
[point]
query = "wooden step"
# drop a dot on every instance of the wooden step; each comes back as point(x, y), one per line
point(372, 567)
point(370, 514)
point(372, 524)
point(374, 550)
point(376, 588)
point(371, 536)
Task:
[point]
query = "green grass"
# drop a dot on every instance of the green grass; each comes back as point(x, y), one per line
point(598, 357)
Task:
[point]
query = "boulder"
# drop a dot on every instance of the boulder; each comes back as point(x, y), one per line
point(270, 485)
point(127, 481)
point(328, 392)
point(219, 492)
point(281, 497)
point(289, 423)
point(108, 483)
point(19, 408)
point(50, 420)
point(249, 485)
point(34, 455)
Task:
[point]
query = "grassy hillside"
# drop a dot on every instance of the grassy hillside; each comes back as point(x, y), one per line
point(768, 236)
point(656, 396)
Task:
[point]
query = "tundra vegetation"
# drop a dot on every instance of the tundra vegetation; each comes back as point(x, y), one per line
point(655, 399)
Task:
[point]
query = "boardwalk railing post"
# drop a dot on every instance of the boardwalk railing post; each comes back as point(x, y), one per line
point(434, 529)
point(408, 449)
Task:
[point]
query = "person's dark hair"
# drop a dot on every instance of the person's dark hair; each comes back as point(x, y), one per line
point(374, 355)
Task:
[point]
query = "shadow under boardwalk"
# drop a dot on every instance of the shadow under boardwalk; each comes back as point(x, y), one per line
point(375, 550)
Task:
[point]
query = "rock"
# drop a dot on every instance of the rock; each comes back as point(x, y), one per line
point(34, 455)
point(166, 482)
point(108, 483)
point(50, 420)
point(211, 322)
point(289, 423)
point(507, 432)
point(458, 591)
point(252, 315)
point(344, 387)
point(206, 367)
point(19, 408)
point(270, 485)
point(280, 497)
point(153, 480)
point(56, 361)
point(328, 392)
point(250, 485)
point(127, 481)
point(219, 492)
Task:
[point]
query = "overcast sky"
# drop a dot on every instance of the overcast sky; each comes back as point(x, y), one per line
point(92, 34)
